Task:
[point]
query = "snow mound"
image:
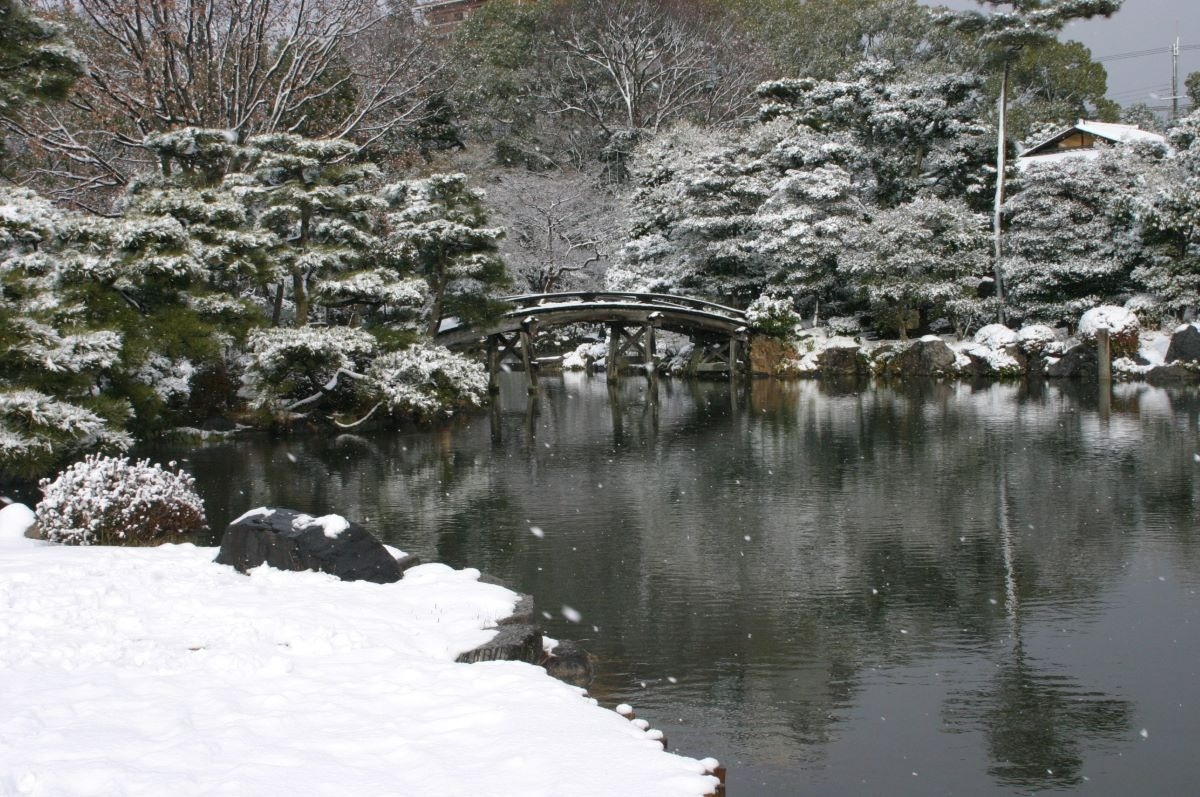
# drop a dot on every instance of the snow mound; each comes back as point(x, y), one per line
point(15, 519)
point(155, 671)
point(996, 336)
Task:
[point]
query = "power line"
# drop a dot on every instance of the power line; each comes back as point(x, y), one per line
point(1144, 53)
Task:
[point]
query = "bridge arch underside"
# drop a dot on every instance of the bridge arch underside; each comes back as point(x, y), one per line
point(719, 342)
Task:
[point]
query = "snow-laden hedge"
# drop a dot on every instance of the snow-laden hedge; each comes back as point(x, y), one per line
point(773, 315)
point(112, 501)
point(426, 380)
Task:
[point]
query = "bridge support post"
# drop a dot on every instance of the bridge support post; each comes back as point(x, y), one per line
point(528, 356)
point(614, 352)
point(649, 347)
point(493, 364)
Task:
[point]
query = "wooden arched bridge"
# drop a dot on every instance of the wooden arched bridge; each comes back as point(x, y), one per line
point(720, 334)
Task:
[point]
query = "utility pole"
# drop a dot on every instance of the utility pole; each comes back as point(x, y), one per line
point(1175, 79)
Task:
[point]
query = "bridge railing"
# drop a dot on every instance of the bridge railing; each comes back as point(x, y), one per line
point(655, 299)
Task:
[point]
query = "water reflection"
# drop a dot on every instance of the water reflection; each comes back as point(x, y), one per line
point(767, 570)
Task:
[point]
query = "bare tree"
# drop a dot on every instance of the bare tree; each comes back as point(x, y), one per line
point(323, 68)
point(629, 67)
point(561, 227)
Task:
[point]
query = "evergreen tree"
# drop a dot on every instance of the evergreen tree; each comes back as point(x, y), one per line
point(316, 199)
point(1003, 34)
point(919, 132)
point(55, 359)
point(37, 63)
point(918, 260)
point(437, 231)
point(1073, 239)
point(730, 215)
point(1168, 206)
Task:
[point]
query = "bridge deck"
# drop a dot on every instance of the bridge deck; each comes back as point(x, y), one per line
point(671, 313)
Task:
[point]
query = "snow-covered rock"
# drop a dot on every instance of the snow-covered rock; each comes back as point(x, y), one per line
point(980, 360)
point(15, 520)
point(1184, 344)
point(290, 540)
point(1038, 339)
point(1117, 320)
point(1122, 324)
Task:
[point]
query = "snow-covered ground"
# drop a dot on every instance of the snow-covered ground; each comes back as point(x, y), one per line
point(154, 671)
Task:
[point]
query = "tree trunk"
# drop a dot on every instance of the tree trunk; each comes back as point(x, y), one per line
point(277, 308)
point(1001, 153)
point(435, 312)
point(300, 297)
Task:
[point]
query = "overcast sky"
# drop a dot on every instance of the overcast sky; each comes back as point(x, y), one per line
point(1139, 25)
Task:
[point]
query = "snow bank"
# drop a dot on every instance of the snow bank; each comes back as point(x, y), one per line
point(14, 520)
point(155, 671)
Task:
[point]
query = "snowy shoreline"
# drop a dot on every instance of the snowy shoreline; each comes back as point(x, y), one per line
point(132, 671)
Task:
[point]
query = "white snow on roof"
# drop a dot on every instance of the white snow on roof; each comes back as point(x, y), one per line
point(1106, 130)
point(1116, 132)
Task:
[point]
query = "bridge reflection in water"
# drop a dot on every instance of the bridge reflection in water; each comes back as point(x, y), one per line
point(719, 334)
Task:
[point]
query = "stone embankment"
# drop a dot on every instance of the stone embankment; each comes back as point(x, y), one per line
point(994, 352)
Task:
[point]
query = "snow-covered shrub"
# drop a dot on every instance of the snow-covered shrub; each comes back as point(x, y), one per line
point(1122, 325)
point(996, 336)
point(112, 501)
point(297, 363)
point(773, 315)
point(848, 326)
point(1036, 339)
point(426, 380)
point(577, 360)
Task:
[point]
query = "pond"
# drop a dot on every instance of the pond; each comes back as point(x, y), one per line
point(934, 588)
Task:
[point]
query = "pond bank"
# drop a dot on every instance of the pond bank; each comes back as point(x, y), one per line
point(168, 672)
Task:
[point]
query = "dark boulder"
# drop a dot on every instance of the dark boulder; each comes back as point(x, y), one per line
point(1171, 374)
point(571, 663)
point(843, 361)
point(924, 357)
point(511, 643)
point(289, 540)
point(1185, 345)
point(1077, 362)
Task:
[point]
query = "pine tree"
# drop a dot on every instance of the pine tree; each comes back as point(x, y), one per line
point(55, 359)
point(919, 259)
point(37, 63)
point(437, 231)
point(1004, 34)
point(316, 198)
point(1073, 240)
